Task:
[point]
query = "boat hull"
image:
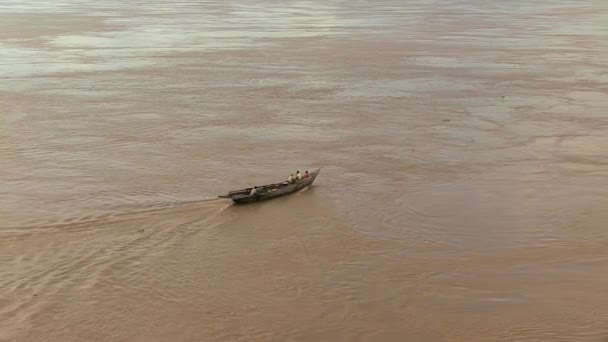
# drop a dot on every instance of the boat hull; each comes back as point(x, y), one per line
point(275, 190)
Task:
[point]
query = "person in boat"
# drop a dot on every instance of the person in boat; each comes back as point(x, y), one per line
point(291, 179)
point(298, 176)
point(254, 191)
point(306, 174)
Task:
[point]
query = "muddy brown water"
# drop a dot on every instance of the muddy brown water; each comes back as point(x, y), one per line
point(464, 194)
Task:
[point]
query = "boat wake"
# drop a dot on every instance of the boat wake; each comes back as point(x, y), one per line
point(85, 254)
point(302, 190)
point(120, 213)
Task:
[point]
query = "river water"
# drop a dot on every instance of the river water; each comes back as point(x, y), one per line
point(463, 195)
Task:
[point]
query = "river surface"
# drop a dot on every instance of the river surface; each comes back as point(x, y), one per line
point(463, 195)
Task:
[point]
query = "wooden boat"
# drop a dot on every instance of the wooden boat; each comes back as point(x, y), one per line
point(266, 192)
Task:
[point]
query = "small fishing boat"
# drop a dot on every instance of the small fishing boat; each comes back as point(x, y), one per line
point(266, 192)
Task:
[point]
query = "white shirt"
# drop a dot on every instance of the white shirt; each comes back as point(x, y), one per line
point(290, 179)
point(253, 192)
point(298, 176)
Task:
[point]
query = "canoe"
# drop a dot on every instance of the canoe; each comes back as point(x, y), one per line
point(269, 191)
